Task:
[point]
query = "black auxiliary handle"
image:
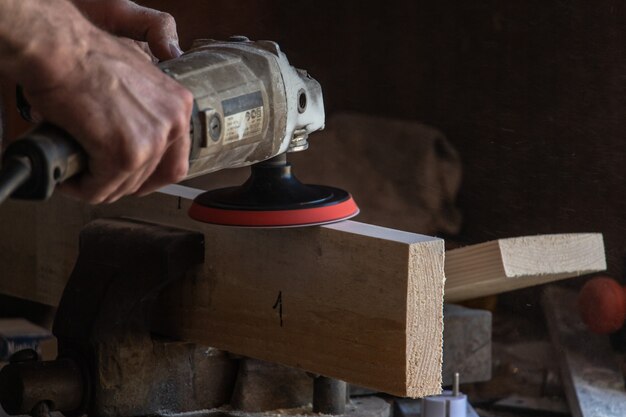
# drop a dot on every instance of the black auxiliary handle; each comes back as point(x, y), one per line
point(36, 163)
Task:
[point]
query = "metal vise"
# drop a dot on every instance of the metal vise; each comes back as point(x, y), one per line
point(109, 363)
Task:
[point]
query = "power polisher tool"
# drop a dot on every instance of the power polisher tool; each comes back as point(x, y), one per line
point(251, 107)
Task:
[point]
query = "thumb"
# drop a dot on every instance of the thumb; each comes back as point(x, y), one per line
point(161, 35)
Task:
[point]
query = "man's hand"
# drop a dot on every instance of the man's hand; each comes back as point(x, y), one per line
point(127, 19)
point(131, 119)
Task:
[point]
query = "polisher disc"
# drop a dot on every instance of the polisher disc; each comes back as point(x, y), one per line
point(273, 197)
point(232, 207)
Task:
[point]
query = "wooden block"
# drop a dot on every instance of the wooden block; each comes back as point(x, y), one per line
point(265, 386)
point(591, 375)
point(509, 264)
point(349, 300)
point(18, 245)
point(466, 344)
point(322, 300)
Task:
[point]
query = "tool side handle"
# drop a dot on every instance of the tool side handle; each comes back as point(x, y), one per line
point(54, 156)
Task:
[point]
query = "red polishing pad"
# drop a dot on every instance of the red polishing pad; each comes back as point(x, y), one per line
point(602, 305)
point(275, 218)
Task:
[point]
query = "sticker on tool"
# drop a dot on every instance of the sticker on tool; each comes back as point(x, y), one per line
point(243, 116)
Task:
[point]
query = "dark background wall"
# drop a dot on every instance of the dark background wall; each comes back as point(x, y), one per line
point(532, 93)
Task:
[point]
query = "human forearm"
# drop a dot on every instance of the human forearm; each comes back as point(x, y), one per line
point(130, 118)
point(41, 41)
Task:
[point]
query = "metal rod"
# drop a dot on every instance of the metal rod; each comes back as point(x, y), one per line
point(329, 396)
point(455, 387)
point(30, 387)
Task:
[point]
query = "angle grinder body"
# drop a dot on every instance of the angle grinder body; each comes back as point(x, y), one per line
point(250, 106)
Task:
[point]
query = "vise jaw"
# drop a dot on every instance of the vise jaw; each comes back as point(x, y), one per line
point(109, 363)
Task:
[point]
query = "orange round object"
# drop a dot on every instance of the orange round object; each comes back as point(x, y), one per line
point(602, 305)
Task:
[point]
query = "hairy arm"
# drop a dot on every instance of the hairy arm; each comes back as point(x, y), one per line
point(132, 120)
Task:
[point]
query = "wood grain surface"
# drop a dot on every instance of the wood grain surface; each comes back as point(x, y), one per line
point(508, 264)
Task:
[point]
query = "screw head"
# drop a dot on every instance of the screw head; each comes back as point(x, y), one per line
point(215, 127)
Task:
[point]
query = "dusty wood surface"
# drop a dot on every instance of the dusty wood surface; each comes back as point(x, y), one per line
point(351, 301)
point(594, 384)
point(508, 264)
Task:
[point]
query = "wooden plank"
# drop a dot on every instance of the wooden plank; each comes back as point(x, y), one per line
point(593, 382)
point(509, 264)
point(18, 229)
point(350, 300)
point(473, 271)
